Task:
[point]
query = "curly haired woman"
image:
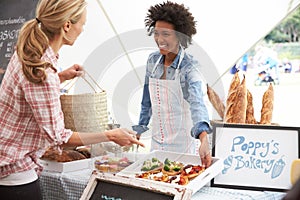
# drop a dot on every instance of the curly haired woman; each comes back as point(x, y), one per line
point(172, 93)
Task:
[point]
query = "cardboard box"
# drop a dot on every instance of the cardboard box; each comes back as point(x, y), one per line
point(65, 166)
point(195, 184)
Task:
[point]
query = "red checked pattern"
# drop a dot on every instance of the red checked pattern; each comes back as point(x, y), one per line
point(31, 117)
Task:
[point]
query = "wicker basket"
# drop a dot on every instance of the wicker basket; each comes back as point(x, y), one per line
point(85, 112)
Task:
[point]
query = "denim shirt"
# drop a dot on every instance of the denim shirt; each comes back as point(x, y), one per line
point(191, 84)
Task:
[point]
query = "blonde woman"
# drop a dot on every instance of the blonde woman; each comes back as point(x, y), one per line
point(31, 118)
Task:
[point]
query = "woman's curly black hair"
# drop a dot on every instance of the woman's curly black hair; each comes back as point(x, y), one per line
point(176, 14)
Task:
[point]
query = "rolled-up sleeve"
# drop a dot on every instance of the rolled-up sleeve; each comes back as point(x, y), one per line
point(193, 93)
point(146, 112)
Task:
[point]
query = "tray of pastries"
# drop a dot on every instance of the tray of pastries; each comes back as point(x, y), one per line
point(173, 168)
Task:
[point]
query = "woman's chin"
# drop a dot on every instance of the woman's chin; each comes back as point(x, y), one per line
point(163, 51)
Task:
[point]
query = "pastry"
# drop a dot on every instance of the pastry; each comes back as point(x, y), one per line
point(101, 166)
point(152, 165)
point(179, 179)
point(172, 168)
point(192, 171)
point(106, 164)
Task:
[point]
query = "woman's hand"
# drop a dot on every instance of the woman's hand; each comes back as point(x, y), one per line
point(2, 70)
point(204, 150)
point(72, 72)
point(123, 137)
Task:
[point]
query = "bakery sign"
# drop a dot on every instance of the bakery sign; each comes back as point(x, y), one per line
point(257, 157)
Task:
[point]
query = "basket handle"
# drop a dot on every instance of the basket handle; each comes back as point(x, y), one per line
point(73, 81)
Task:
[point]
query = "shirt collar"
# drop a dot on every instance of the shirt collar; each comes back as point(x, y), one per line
point(176, 60)
point(53, 58)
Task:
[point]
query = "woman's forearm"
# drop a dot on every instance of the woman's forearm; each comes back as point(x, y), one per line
point(120, 136)
point(80, 139)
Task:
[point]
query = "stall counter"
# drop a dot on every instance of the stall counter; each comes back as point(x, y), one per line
point(70, 186)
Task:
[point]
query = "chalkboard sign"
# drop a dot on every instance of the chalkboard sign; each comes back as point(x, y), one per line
point(12, 16)
point(255, 157)
point(112, 187)
point(112, 190)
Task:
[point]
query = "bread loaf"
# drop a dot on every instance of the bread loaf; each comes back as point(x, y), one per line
point(215, 101)
point(250, 119)
point(267, 106)
point(295, 171)
point(240, 104)
point(235, 82)
point(232, 92)
point(64, 156)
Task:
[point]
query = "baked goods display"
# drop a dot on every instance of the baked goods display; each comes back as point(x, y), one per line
point(111, 164)
point(66, 155)
point(239, 108)
point(172, 172)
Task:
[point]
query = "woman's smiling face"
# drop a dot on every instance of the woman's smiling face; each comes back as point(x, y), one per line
point(166, 38)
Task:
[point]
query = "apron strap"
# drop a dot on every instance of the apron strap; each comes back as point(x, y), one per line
point(177, 71)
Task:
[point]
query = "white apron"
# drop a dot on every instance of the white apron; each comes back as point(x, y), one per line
point(171, 117)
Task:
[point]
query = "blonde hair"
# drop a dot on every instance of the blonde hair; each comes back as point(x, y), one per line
point(34, 36)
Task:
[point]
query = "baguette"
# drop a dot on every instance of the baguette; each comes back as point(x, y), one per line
point(215, 101)
point(240, 104)
point(267, 106)
point(232, 92)
point(250, 119)
point(235, 82)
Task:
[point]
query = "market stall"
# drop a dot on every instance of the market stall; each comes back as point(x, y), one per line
point(251, 158)
point(244, 151)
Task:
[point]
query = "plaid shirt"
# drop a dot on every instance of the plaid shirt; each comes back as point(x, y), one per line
point(31, 117)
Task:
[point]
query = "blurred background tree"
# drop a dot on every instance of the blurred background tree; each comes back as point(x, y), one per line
point(287, 31)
